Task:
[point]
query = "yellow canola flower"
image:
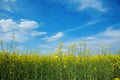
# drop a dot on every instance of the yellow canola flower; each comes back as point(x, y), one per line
point(117, 79)
point(56, 57)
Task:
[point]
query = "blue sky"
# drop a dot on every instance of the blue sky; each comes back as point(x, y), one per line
point(44, 23)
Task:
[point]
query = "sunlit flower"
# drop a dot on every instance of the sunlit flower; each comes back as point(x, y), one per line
point(117, 79)
point(56, 57)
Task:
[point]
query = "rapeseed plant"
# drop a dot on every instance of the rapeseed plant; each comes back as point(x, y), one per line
point(75, 64)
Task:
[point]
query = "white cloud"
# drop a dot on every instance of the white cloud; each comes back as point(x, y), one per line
point(7, 25)
point(110, 33)
point(10, 25)
point(85, 4)
point(54, 37)
point(24, 29)
point(27, 24)
point(7, 5)
point(36, 33)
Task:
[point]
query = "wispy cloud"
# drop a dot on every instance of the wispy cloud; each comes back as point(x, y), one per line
point(7, 5)
point(83, 26)
point(23, 29)
point(54, 37)
point(92, 22)
point(74, 29)
point(85, 4)
point(36, 33)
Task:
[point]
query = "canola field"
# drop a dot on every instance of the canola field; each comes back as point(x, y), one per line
point(59, 66)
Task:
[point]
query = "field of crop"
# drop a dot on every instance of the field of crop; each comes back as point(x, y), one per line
point(59, 66)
